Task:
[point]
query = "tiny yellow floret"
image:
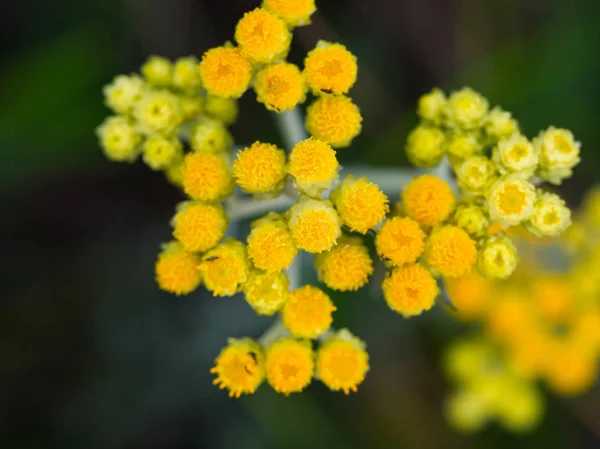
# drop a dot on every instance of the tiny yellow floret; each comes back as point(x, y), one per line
point(280, 87)
point(207, 176)
point(224, 109)
point(262, 36)
point(225, 72)
point(345, 267)
point(240, 367)
point(399, 241)
point(313, 166)
point(428, 200)
point(225, 268)
point(515, 154)
point(160, 152)
point(410, 290)
point(186, 75)
point(558, 148)
point(307, 312)
point(474, 174)
point(289, 365)
point(315, 225)
point(158, 71)
point(550, 217)
point(266, 292)
point(334, 119)
point(497, 258)
point(158, 112)
point(469, 294)
point(473, 219)
point(177, 269)
point(466, 109)
point(425, 146)
point(210, 136)
point(123, 93)
point(431, 106)
point(461, 145)
point(511, 200)
point(270, 244)
point(499, 124)
point(119, 139)
point(450, 251)
point(199, 226)
point(330, 68)
point(293, 12)
point(260, 168)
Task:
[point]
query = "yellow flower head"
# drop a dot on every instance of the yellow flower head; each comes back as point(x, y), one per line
point(158, 112)
point(342, 362)
point(191, 107)
point(177, 269)
point(557, 148)
point(280, 87)
point(330, 68)
point(186, 75)
point(260, 168)
point(472, 218)
point(410, 290)
point(467, 411)
point(207, 176)
point(289, 365)
point(307, 312)
point(158, 71)
point(425, 146)
point(270, 243)
point(570, 371)
point(123, 93)
point(431, 106)
point(400, 241)
point(315, 225)
point(553, 296)
point(313, 166)
point(347, 266)
point(497, 258)
point(293, 12)
point(520, 406)
point(224, 109)
point(160, 152)
point(428, 200)
point(466, 109)
point(515, 154)
point(462, 145)
point(360, 203)
point(550, 216)
point(511, 200)
point(210, 136)
point(469, 294)
point(334, 119)
point(240, 367)
point(225, 268)
point(119, 139)
point(266, 292)
point(467, 359)
point(499, 124)
point(262, 36)
point(450, 251)
point(225, 72)
point(199, 226)
point(475, 173)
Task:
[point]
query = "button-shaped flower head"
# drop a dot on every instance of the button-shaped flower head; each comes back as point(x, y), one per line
point(345, 267)
point(315, 225)
point(410, 290)
point(177, 269)
point(307, 312)
point(511, 200)
point(334, 119)
point(266, 292)
point(425, 146)
point(280, 87)
point(240, 367)
point(293, 12)
point(330, 68)
point(428, 200)
point(260, 168)
point(270, 243)
point(262, 36)
point(119, 139)
point(225, 72)
point(289, 365)
point(450, 251)
point(400, 241)
point(225, 268)
point(199, 226)
point(313, 166)
point(207, 176)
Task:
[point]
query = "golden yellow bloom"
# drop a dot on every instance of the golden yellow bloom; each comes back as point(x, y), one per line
point(225, 268)
point(210, 136)
point(553, 296)
point(266, 292)
point(199, 226)
point(280, 87)
point(330, 68)
point(289, 365)
point(467, 411)
point(410, 290)
point(431, 106)
point(315, 225)
point(515, 154)
point(123, 93)
point(400, 241)
point(207, 176)
point(158, 112)
point(177, 269)
point(260, 168)
point(313, 166)
point(475, 174)
point(270, 243)
point(158, 71)
point(347, 266)
point(499, 124)
point(262, 36)
point(550, 216)
point(160, 153)
point(342, 362)
point(466, 109)
point(497, 258)
point(293, 12)
point(334, 119)
point(472, 219)
point(224, 109)
point(571, 371)
point(462, 145)
point(450, 251)
point(240, 367)
point(119, 139)
point(510, 319)
point(225, 72)
point(470, 294)
point(425, 146)
point(307, 312)
point(511, 200)
point(557, 148)
point(428, 200)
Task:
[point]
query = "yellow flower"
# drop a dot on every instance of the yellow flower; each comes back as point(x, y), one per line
point(497, 258)
point(266, 292)
point(225, 72)
point(550, 216)
point(315, 225)
point(410, 290)
point(462, 145)
point(400, 241)
point(468, 359)
point(431, 106)
point(425, 146)
point(191, 107)
point(428, 200)
point(345, 267)
point(571, 371)
point(307, 312)
point(158, 112)
point(207, 176)
point(224, 109)
point(499, 124)
point(199, 226)
point(280, 87)
point(469, 294)
point(472, 219)
point(466, 109)
point(177, 269)
point(160, 153)
point(334, 119)
point(240, 367)
point(289, 365)
point(158, 71)
point(511, 200)
point(123, 93)
point(260, 168)
point(119, 139)
point(450, 251)
point(313, 166)
point(293, 12)
point(474, 174)
point(342, 362)
point(467, 411)
point(553, 297)
point(515, 154)
point(330, 68)
point(225, 268)
point(270, 243)
point(186, 75)
point(262, 36)
point(557, 148)
point(210, 136)
point(520, 406)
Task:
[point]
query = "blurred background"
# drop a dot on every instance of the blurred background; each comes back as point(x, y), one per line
point(93, 355)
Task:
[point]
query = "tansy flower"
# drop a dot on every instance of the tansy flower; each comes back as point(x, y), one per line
point(557, 148)
point(347, 266)
point(330, 68)
point(262, 36)
point(474, 174)
point(210, 136)
point(466, 410)
point(400, 241)
point(119, 139)
point(123, 93)
point(550, 216)
point(425, 146)
point(158, 112)
point(469, 294)
point(199, 226)
point(515, 154)
point(280, 87)
point(450, 251)
point(293, 12)
point(158, 71)
point(177, 269)
point(207, 176)
point(497, 258)
point(334, 119)
point(553, 296)
point(266, 292)
point(466, 109)
point(431, 106)
point(571, 371)
point(160, 153)
point(410, 290)
point(472, 219)
point(342, 362)
point(240, 367)
point(462, 145)
point(224, 109)
point(315, 225)
point(520, 406)
point(360, 203)
point(428, 200)
point(260, 168)
point(186, 75)
point(191, 107)
point(511, 200)
point(289, 365)
point(499, 124)
point(225, 72)
point(313, 166)
point(225, 268)
point(307, 312)
point(467, 360)
point(270, 243)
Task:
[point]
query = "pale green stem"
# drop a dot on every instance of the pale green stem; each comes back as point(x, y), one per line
point(240, 209)
point(276, 331)
point(291, 127)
